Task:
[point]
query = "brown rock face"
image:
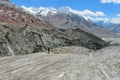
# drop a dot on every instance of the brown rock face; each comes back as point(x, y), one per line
point(15, 15)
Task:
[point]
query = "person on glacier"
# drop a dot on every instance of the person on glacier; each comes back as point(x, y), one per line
point(48, 50)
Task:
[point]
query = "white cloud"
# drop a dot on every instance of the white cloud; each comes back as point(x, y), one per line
point(87, 12)
point(111, 1)
point(115, 20)
point(90, 13)
point(118, 15)
point(100, 14)
point(105, 20)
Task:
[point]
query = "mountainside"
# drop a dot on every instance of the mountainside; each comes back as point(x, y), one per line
point(14, 15)
point(64, 18)
point(22, 40)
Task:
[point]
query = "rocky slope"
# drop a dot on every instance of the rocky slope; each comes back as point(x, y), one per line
point(21, 40)
point(64, 19)
point(14, 15)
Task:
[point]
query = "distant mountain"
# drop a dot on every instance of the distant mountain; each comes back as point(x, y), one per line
point(108, 25)
point(116, 28)
point(65, 17)
point(111, 26)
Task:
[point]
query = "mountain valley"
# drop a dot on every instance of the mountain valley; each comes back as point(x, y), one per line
point(51, 44)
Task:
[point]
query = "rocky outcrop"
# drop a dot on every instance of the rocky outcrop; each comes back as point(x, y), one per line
point(22, 40)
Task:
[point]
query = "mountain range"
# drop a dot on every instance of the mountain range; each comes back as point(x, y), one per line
point(22, 32)
point(111, 26)
point(66, 17)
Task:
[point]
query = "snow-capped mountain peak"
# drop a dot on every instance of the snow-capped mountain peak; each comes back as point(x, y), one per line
point(45, 11)
point(30, 10)
point(52, 11)
point(40, 11)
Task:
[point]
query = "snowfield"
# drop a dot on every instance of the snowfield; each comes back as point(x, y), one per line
point(103, 64)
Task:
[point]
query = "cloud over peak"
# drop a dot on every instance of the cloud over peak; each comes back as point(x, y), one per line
point(105, 20)
point(91, 13)
point(85, 12)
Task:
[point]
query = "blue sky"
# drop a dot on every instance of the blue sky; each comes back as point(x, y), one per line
point(111, 8)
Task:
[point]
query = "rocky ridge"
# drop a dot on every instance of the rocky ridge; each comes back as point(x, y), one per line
point(63, 18)
point(14, 15)
point(29, 39)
